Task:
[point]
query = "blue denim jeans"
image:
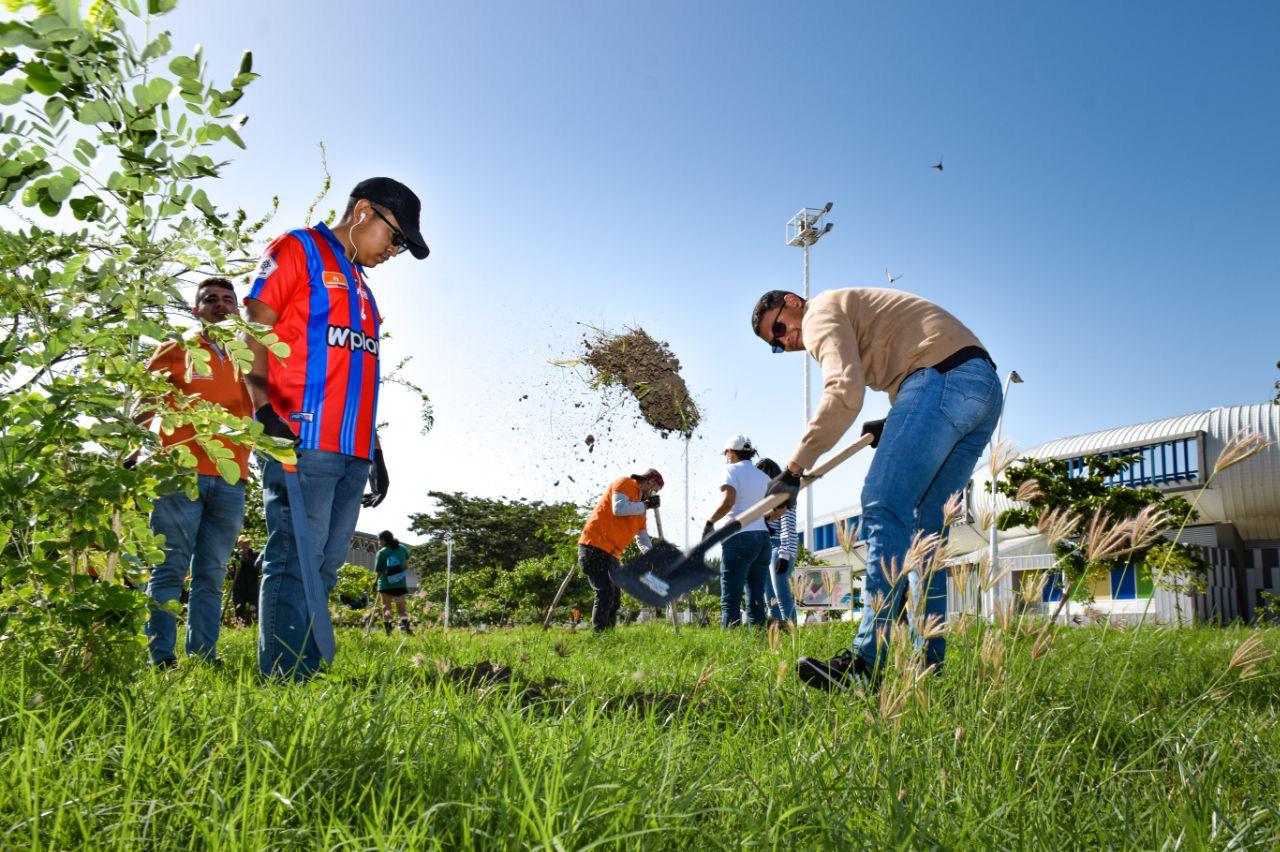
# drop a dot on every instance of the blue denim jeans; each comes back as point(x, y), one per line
point(199, 536)
point(744, 560)
point(332, 484)
point(933, 437)
point(782, 604)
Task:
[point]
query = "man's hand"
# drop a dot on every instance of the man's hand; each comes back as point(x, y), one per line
point(708, 529)
point(275, 426)
point(781, 566)
point(378, 481)
point(653, 501)
point(874, 428)
point(787, 483)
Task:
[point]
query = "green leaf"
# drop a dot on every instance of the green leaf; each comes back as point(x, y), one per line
point(160, 7)
point(95, 112)
point(159, 46)
point(233, 136)
point(229, 471)
point(10, 94)
point(39, 78)
point(159, 90)
point(246, 62)
point(280, 350)
point(59, 189)
point(185, 67)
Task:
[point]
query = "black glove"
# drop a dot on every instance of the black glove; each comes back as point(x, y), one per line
point(787, 483)
point(653, 501)
point(781, 566)
point(274, 425)
point(378, 481)
point(708, 529)
point(874, 428)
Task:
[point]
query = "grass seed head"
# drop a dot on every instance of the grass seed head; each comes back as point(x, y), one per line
point(1248, 655)
point(953, 509)
point(1240, 446)
point(1003, 454)
point(1028, 491)
point(1057, 524)
point(1104, 538)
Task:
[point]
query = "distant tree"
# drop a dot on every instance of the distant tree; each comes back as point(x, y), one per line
point(1044, 486)
point(509, 556)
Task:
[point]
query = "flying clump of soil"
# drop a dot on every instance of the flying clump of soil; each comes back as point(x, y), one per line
point(646, 368)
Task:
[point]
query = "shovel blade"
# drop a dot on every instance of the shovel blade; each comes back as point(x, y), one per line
point(662, 575)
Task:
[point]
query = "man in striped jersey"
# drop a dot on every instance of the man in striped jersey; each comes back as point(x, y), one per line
point(310, 288)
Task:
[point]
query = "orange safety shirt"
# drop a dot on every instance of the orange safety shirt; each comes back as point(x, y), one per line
point(607, 531)
point(222, 387)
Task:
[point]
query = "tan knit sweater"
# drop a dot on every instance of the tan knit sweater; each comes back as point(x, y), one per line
point(874, 338)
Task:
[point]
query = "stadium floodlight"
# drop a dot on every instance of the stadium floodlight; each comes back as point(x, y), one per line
point(803, 230)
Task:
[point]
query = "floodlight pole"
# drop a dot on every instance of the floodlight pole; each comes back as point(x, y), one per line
point(994, 543)
point(448, 574)
point(806, 233)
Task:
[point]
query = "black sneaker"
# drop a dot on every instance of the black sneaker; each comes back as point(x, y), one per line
point(843, 671)
point(166, 663)
point(829, 675)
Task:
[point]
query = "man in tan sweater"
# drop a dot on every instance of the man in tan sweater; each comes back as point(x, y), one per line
point(945, 399)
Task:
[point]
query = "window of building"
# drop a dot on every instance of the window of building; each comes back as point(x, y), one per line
point(1175, 462)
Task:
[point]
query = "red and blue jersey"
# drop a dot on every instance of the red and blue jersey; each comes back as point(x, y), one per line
point(327, 388)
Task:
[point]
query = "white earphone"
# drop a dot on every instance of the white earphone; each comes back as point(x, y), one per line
point(363, 216)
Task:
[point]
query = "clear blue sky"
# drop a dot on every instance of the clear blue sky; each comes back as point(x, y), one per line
point(1108, 221)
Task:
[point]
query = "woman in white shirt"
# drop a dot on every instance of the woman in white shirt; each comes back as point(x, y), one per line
point(744, 556)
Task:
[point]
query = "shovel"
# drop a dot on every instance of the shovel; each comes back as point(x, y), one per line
point(321, 627)
point(662, 575)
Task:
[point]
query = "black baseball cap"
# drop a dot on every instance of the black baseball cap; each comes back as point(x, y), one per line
point(400, 200)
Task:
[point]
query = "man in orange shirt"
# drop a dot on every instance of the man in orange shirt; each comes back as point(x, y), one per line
point(199, 534)
point(619, 517)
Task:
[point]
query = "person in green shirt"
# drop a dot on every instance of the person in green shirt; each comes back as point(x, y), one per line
point(392, 567)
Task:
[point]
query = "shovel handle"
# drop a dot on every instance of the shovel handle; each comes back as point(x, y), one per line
point(773, 501)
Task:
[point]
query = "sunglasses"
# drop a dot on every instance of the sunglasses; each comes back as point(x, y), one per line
point(398, 239)
point(779, 330)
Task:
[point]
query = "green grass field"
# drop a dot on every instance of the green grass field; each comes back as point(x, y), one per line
point(647, 739)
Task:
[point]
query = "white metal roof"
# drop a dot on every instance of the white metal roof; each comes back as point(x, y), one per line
point(1247, 495)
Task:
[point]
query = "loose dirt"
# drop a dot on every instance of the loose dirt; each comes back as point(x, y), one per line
point(646, 368)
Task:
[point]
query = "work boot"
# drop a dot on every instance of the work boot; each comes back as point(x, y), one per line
point(386, 625)
point(404, 625)
point(842, 671)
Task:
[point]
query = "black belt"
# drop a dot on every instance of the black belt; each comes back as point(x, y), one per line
point(962, 356)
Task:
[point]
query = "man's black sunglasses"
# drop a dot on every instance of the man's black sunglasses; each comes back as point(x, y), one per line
point(779, 329)
point(398, 239)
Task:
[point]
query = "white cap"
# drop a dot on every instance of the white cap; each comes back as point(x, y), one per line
point(738, 443)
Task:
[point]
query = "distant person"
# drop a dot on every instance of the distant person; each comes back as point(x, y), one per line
point(784, 543)
point(744, 556)
point(244, 586)
point(310, 289)
point(199, 534)
point(945, 399)
point(619, 517)
point(392, 567)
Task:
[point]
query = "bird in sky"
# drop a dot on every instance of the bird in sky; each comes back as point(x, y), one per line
point(892, 278)
point(937, 165)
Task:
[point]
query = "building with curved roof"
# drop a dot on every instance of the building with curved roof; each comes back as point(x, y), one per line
point(1238, 527)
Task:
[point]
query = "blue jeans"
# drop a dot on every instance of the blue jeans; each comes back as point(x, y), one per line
point(332, 484)
point(199, 536)
point(933, 437)
point(744, 560)
point(782, 604)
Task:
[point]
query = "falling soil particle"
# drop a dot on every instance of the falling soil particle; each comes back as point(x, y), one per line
point(591, 443)
point(646, 368)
